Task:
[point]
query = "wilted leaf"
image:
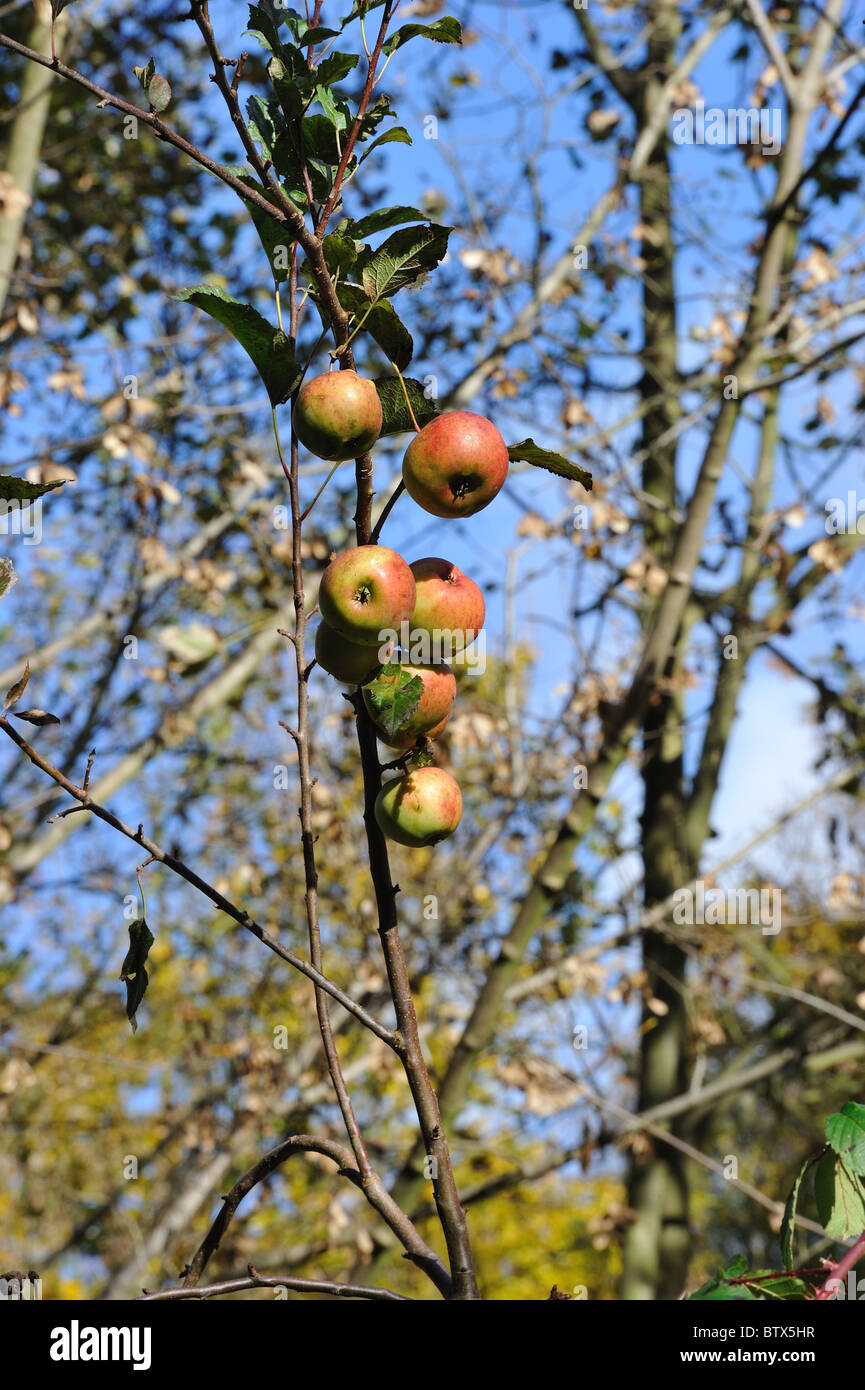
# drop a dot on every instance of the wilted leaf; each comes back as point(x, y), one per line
point(190, 644)
point(37, 716)
point(132, 972)
point(14, 693)
point(8, 577)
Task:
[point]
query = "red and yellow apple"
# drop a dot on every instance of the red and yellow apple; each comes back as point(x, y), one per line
point(447, 602)
point(366, 591)
point(456, 464)
point(337, 415)
point(420, 808)
point(403, 741)
point(437, 697)
point(345, 661)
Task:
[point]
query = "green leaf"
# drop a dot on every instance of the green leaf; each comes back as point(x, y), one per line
point(334, 111)
point(530, 452)
point(736, 1269)
point(265, 122)
point(19, 490)
point(268, 348)
point(382, 323)
point(840, 1198)
point(8, 577)
point(394, 696)
point(396, 135)
point(132, 972)
point(404, 258)
point(443, 31)
point(792, 1288)
point(340, 253)
point(334, 68)
point(726, 1293)
point(381, 221)
point(846, 1134)
point(274, 236)
point(396, 418)
point(264, 27)
point(361, 7)
point(788, 1225)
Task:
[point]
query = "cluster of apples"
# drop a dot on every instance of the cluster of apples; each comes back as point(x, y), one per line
point(376, 609)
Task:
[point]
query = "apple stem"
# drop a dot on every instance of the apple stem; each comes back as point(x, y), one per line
point(407, 401)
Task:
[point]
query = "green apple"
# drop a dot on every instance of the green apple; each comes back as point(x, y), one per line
point(456, 464)
point(437, 697)
point(447, 603)
point(338, 415)
point(365, 592)
point(345, 661)
point(420, 808)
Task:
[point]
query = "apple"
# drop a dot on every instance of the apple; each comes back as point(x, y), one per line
point(345, 661)
point(404, 741)
point(420, 808)
point(437, 697)
point(447, 602)
point(337, 415)
point(456, 464)
point(366, 591)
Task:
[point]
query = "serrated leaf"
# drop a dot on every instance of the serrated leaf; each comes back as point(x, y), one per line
point(269, 349)
point(530, 452)
point(736, 1269)
point(382, 323)
point(394, 696)
point(846, 1134)
point(840, 1198)
point(404, 258)
point(19, 490)
point(132, 972)
point(14, 693)
point(788, 1225)
point(442, 31)
point(334, 68)
point(396, 417)
point(381, 221)
point(8, 577)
